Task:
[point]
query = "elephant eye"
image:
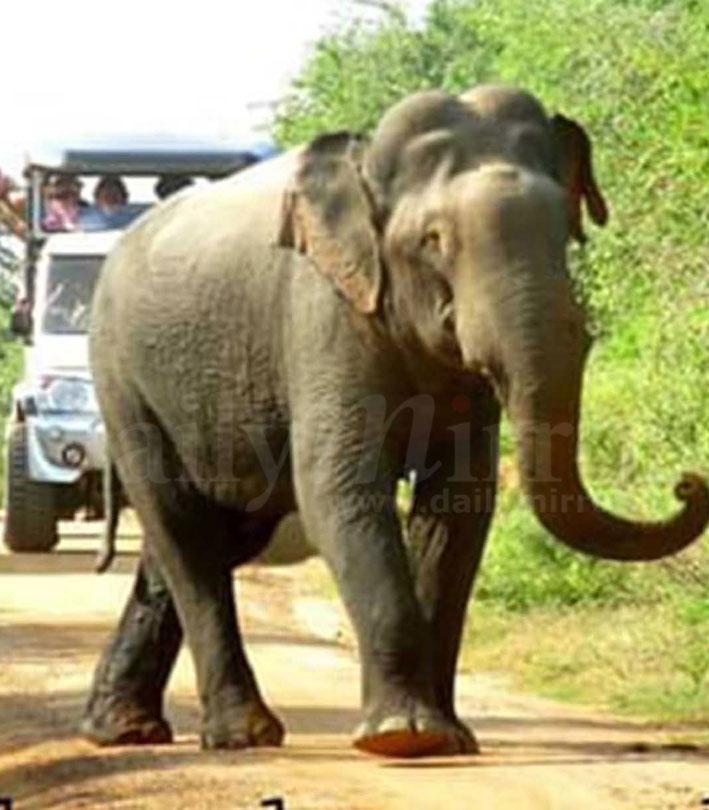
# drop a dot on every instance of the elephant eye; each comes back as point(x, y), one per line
point(431, 240)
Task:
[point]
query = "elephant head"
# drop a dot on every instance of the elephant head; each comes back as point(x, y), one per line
point(451, 225)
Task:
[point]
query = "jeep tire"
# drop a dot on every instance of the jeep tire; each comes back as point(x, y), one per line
point(30, 506)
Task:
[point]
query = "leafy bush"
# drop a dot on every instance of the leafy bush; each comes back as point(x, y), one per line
point(10, 351)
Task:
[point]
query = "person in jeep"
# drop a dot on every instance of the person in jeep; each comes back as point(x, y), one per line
point(62, 203)
point(12, 207)
point(110, 194)
point(110, 208)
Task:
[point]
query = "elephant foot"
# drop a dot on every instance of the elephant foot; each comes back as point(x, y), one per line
point(463, 740)
point(412, 734)
point(250, 726)
point(125, 724)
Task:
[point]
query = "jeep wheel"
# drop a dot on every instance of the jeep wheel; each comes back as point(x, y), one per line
point(30, 508)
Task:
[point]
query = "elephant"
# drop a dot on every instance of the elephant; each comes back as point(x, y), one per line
point(298, 338)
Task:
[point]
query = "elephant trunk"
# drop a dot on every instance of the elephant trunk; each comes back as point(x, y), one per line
point(540, 377)
point(547, 438)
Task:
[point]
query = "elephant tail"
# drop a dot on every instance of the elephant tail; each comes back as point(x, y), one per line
point(112, 505)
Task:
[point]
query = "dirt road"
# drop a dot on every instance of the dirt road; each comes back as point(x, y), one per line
point(537, 755)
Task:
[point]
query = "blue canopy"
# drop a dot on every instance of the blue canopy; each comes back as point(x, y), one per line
point(150, 155)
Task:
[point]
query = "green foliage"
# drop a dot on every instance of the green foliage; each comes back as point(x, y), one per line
point(525, 568)
point(650, 660)
point(10, 350)
point(353, 75)
point(634, 73)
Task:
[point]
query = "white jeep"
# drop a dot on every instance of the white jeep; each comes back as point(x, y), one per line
point(54, 437)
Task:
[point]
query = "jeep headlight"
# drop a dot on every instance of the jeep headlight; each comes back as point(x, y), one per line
point(66, 395)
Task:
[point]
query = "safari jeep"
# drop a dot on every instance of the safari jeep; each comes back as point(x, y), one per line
point(54, 433)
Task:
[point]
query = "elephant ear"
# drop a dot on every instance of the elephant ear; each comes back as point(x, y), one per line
point(575, 171)
point(327, 215)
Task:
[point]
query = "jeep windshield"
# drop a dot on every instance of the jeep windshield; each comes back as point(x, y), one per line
point(70, 288)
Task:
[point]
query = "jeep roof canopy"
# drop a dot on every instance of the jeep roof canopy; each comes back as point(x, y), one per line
point(148, 156)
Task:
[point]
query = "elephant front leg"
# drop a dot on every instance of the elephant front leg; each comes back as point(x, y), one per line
point(447, 528)
point(356, 529)
point(125, 705)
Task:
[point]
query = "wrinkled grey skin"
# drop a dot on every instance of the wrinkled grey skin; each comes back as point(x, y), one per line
point(274, 313)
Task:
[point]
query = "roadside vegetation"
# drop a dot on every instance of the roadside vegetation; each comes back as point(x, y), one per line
point(632, 637)
point(10, 351)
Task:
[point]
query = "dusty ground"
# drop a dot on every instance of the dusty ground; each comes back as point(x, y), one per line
point(537, 755)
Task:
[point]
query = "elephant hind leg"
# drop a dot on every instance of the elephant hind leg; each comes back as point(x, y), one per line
point(189, 536)
point(125, 705)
